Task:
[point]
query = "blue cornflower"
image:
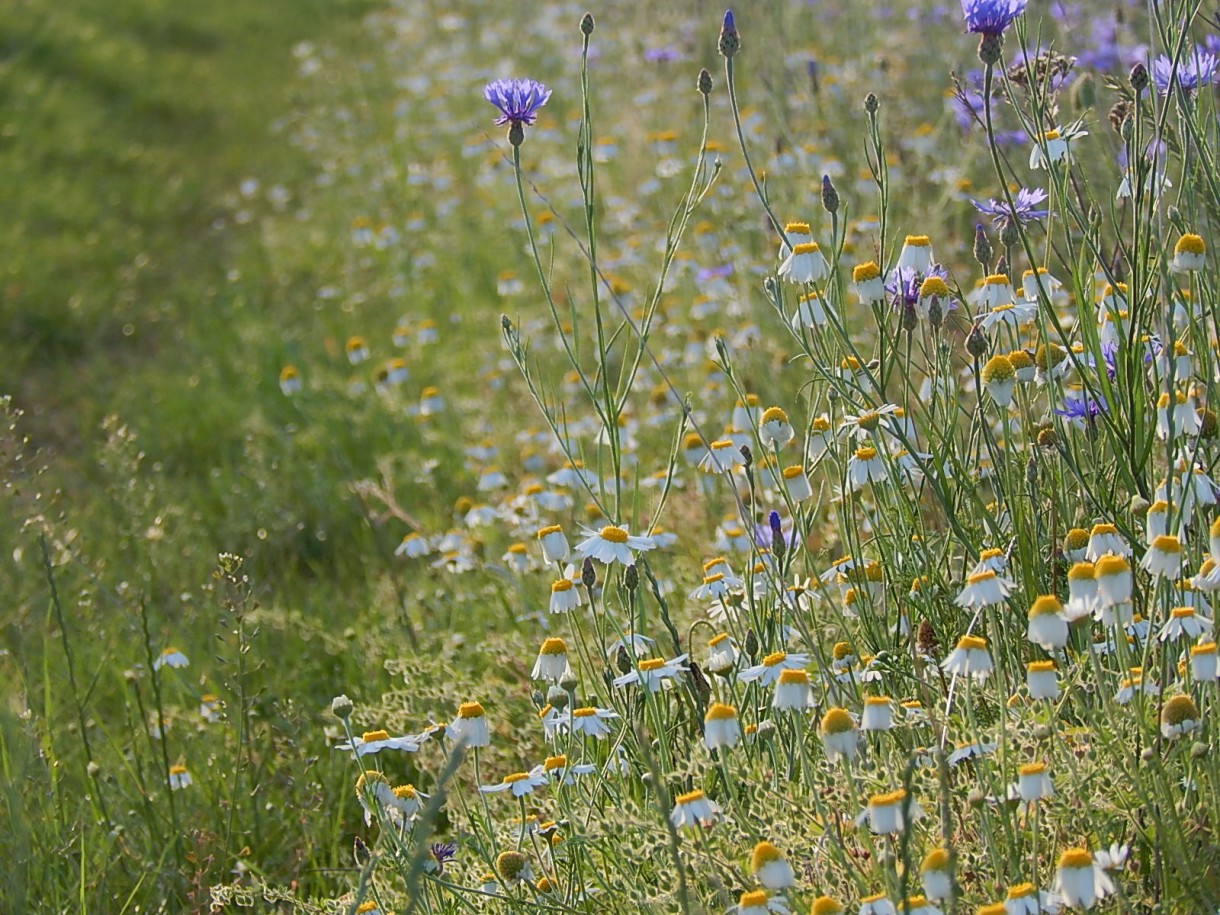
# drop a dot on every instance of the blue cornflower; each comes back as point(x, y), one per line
point(1083, 410)
point(991, 17)
point(517, 99)
point(1021, 212)
point(442, 854)
point(1194, 71)
point(904, 284)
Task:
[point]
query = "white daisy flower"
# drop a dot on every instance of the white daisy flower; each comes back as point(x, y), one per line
point(612, 544)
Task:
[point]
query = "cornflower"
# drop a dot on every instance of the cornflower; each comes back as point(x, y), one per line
point(1022, 211)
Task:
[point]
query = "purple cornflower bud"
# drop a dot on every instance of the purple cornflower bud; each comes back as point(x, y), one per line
point(730, 41)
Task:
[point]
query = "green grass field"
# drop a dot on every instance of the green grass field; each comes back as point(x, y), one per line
point(318, 387)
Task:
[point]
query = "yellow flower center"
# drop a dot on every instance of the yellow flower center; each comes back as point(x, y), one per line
point(562, 585)
point(470, 710)
point(790, 677)
point(555, 762)
point(689, 798)
point(917, 241)
point(370, 736)
point(862, 273)
point(1076, 857)
point(775, 658)
point(718, 711)
point(753, 898)
point(613, 534)
point(1189, 244)
point(837, 721)
point(809, 247)
point(553, 647)
point(652, 664)
point(774, 415)
point(972, 643)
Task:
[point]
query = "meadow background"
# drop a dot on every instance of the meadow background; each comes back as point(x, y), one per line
point(292, 384)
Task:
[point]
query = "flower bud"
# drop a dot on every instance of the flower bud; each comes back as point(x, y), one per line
point(870, 103)
point(976, 342)
point(341, 707)
point(982, 248)
point(557, 698)
point(830, 197)
point(989, 49)
point(631, 577)
point(704, 83)
point(730, 41)
point(1138, 78)
point(588, 575)
point(586, 24)
point(751, 645)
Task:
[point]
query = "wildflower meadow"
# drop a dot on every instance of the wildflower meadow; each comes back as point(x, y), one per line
point(468, 457)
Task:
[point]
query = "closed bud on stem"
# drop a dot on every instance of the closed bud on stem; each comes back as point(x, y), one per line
point(623, 660)
point(341, 707)
point(976, 342)
point(936, 314)
point(748, 455)
point(1010, 235)
point(910, 317)
point(588, 575)
point(830, 197)
point(704, 83)
point(871, 104)
point(569, 682)
point(751, 645)
point(982, 248)
point(730, 41)
point(557, 698)
point(1138, 78)
point(631, 577)
point(586, 24)
point(516, 133)
point(360, 853)
point(1138, 506)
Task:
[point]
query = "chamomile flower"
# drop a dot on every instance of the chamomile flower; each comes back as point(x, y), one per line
point(757, 902)
point(1033, 782)
point(870, 286)
point(1113, 576)
point(811, 312)
point(171, 657)
point(865, 466)
point(519, 783)
point(612, 544)
point(933, 291)
point(970, 658)
point(179, 777)
point(552, 663)
point(1179, 715)
point(796, 481)
point(919, 905)
point(805, 264)
point(767, 673)
point(404, 802)
point(1082, 591)
point(1189, 254)
point(770, 867)
point(693, 809)
point(1025, 899)
point(889, 813)
point(984, 589)
point(1203, 666)
point(653, 674)
point(1080, 880)
point(774, 430)
point(721, 728)
point(916, 254)
point(290, 380)
point(878, 714)
point(1054, 148)
point(1047, 626)
point(827, 905)
point(839, 735)
point(722, 654)
point(934, 874)
point(553, 542)
point(722, 455)
point(375, 741)
point(1164, 557)
point(589, 721)
point(1184, 622)
point(995, 291)
point(1103, 539)
point(795, 233)
point(469, 729)
point(999, 380)
point(565, 596)
point(1042, 680)
point(792, 691)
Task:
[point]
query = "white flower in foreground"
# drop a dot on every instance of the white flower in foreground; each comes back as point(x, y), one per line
point(770, 867)
point(375, 741)
point(469, 729)
point(519, 783)
point(1033, 782)
point(179, 777)
point(984, 589)
point(589, 721)
point(769, 670)
point(171, 657)
point(1080, 879)
point(806, 264)
point(1047, 627)
point(757, 902)
point(654, 673)
point(693, 809)
point(1183, 621)
point(970, 658)
point(612, 544)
